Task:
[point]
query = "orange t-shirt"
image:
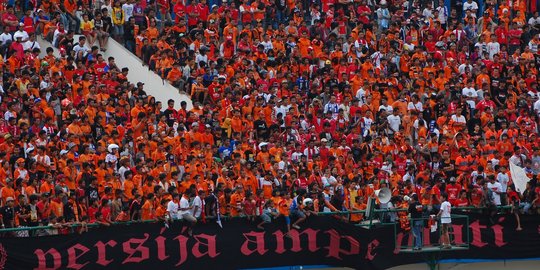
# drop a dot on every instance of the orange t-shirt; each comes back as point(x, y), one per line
point(147, 210)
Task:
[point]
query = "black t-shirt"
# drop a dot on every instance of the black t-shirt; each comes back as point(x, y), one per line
point(495, 85)
point(147, 52)
point(472, 122)
point(107, 24)
point(261, 128)
point(92, 193)
point(337, 202)
point(129, 32)
point(97, 131)
point(87, 178)
point(416, 210)
point(210, 203)
point(170, 115)
point(69, 211)
point(23, 210)
point(499, 120)
point(357, 153)
point(440, 108)
point(502, 96)
point(135, 207)
point(8, 214)
point(67, 42)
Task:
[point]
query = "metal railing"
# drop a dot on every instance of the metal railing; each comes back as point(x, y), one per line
point(426, 242)
point(370, 222)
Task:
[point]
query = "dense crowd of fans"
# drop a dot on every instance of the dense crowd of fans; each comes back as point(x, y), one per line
point(298, 107)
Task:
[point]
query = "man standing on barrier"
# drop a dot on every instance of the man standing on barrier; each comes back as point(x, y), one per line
point(415, 211)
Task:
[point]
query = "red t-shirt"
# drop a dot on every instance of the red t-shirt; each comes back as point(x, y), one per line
point(461, 203)
point(180, 10)
point(100, 69)
point(11, 17)
point(476, 196)
point(203, 12)
point(363, 19)
point(453, 192)
point(193, 9)
point(92, 214)
point(106, 213)
point(514, 34)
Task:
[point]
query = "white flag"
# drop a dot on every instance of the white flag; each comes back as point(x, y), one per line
point(519, 177)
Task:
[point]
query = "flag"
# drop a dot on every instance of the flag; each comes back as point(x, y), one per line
point(218, 221)
point(519, 177)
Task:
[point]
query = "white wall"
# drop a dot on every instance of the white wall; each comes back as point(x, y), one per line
point(153, 84)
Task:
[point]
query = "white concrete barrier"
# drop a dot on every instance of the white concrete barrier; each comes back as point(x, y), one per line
point(153, 84)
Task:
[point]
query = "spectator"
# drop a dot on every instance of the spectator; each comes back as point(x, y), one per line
point(332, 98)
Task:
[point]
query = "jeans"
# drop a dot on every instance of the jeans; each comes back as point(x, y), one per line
point(118, 30)
point(280, 17)
point(417, 232)
point(526, 206)
point(73, 23)
point(130, 45)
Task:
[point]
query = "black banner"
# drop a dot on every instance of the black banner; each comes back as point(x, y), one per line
point(320, 241)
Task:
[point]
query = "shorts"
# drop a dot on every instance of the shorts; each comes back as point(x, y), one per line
point(287, 220)
point(445, 226)
point(89, 33)
point(189, 218)
point(102, 34)
point(298, 214)
point(266, 218)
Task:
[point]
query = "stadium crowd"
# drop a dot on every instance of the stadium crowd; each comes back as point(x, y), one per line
point(326, 100)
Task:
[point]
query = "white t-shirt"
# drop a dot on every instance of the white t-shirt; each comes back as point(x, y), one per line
point(537, 106)
point(78, 48)
point(361, 96)
point(184, 203)
point(172, 208)
point(446, 209)
point(393, 122)
point(24, 36)
point(328, 180)
point(471, 5)
point(459, 119)
point(534, 21)
point(427, 13)
point(503, 179)
point(496, 187)
point(197, 203)
point(493, 48)
point(30, 45)
point(469, 91)
point(128, 10)
point(267, 45)
point(415, 106)
point(5, 37)
point(443, 14)
point(387, 108)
